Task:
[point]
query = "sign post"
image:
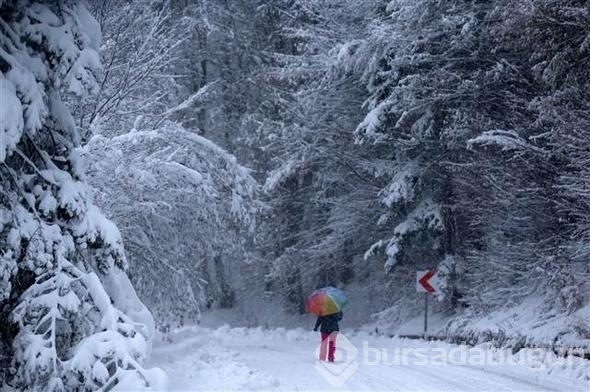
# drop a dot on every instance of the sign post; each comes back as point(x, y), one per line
point(425, 283)
point(425, 315)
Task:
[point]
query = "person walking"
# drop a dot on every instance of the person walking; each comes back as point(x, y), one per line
point(329, 329)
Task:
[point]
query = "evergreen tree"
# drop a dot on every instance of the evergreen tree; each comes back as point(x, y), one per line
point(66, 323)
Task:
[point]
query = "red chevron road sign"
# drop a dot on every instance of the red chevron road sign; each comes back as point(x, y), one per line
point(424, 284)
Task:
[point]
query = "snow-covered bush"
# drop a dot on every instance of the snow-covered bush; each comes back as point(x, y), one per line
point(67, 330)
point(186, 209)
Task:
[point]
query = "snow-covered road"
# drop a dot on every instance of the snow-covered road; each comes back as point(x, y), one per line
point(200, 359)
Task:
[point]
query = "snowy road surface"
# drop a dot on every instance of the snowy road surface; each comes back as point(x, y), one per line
point(224, 359)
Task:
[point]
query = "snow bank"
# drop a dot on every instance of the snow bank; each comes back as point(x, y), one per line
point(198, 360)
point(528, 324)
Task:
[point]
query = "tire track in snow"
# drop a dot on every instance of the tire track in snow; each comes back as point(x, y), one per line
point(275, 360)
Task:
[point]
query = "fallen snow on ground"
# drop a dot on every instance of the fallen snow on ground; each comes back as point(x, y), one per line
point(533, 321)
point(223, 359)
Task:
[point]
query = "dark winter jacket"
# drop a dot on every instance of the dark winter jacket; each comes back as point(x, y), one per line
point(328, 323)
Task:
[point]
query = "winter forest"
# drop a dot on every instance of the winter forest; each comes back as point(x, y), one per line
point(175, 163)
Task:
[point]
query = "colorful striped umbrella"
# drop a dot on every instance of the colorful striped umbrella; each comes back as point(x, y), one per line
point(328, 300)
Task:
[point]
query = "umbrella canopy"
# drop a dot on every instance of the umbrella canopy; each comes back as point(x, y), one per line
point(328, 300)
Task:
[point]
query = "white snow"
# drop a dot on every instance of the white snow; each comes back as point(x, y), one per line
point(11, 118)
point(370, 127)
point(116, 283)
point(192, 100)
point(201, 359)
point(93, 35)
point(402, 185)
point(281, 174)
point(507, 140)
point(533, 320)
point(63, 117)
point(425, 215)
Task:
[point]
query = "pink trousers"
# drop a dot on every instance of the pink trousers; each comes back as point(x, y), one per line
point(328, 346)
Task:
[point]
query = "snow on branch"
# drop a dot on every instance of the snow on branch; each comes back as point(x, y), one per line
point(506, 140)
point(281, 174)
point(195, 98)
point(402, 186)
point(371, 127)
point(426, 216)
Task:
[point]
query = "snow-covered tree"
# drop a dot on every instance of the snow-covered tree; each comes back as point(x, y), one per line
point(322, 188)
point(187, 211)
point(70, 318)
point(453, 100)
point(456, 161)
point(556, 96)
point(174, 60)
point(142, 57)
